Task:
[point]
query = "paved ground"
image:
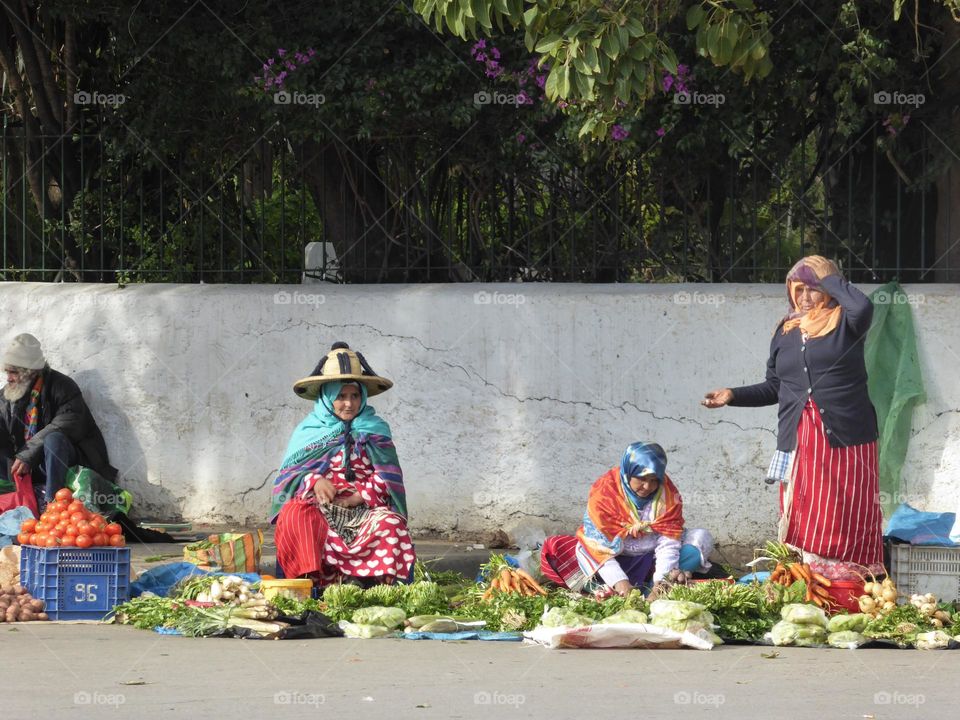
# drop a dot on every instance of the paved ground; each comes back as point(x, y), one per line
point(89, 671)
point(462, 557)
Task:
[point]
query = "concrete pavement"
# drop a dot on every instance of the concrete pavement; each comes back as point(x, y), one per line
point(89, 671)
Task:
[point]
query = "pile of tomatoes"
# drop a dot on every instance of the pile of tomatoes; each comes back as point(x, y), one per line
point(68, 523)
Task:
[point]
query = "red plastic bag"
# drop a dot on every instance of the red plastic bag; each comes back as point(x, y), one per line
point(22, 496)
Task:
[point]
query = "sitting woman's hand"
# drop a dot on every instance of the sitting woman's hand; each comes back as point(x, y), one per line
point(324, 491)
point(623, 587)
point(717, 398)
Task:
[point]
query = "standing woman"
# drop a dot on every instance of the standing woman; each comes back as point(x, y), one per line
point(827, 436)
point(338, 501)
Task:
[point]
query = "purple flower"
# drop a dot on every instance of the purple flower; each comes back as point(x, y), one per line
point(281, 52)
point(281, 77)
point(495, 53)
point(541, 81)
point(269, 62)
point(661, 132)
point(667, 82)
point(524, 99)
point(480, 44)
point(618, 132)
point(521, 138)
point(480, 57)
point(682, 70)
point(291, 65)
point(311, 52)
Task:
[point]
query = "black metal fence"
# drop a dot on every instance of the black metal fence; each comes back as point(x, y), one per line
point(140, 217)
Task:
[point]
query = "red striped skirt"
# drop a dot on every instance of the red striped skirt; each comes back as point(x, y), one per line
point(835, 510)
point(308, 547)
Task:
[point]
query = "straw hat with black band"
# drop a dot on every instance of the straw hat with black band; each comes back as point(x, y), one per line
point(344, 365)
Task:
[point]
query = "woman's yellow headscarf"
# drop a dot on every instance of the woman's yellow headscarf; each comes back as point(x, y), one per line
point(825, 317)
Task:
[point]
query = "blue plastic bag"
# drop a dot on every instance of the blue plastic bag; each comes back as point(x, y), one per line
point(161, 579)
point(10, 523)
point(920, 528)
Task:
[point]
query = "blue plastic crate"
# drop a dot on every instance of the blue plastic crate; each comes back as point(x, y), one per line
point(76, 583)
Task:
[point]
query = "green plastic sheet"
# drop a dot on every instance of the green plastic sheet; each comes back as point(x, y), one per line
point(894, 382)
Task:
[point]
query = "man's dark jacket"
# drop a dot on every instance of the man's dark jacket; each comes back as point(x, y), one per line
point(62, 408)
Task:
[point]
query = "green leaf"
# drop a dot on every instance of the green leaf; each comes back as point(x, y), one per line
point(530, 15)
point(590, 56)
point(587, 127)
point(669, 60)
point(695, 16)
point(624, 36)
point(549, 44)
point(610, 45)
point(502, 6)
point(553, 82)
point(482, 11)
point(584, 86)
point(713, 40)
point(529, 40)
point(635, 27)
point(564, 86)
point(759, 50)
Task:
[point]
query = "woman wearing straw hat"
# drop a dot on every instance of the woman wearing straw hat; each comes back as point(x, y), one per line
point(826, 459)
point(338, 501)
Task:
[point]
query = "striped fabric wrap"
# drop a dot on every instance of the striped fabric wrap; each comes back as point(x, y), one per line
point(316, 459)
point(610, 515)
point(31, 420)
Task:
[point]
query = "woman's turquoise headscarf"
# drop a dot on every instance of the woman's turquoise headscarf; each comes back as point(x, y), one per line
point(639, 459)
point(323, 424)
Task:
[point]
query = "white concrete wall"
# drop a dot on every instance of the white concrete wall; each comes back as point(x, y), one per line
point(509, 399)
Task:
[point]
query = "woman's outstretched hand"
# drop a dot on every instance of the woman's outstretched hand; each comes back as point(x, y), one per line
point(623, 588)
point(717, 398)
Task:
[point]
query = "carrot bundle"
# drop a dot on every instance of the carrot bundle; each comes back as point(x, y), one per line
point(514, 580)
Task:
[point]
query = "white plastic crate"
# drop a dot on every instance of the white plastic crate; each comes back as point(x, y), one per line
point(926, 569)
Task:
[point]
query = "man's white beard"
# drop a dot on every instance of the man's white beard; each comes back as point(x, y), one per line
point(14, 391)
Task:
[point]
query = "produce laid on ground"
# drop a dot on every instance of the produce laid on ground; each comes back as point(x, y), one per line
point(18, 605)
point(787, 609)
point(67, 522)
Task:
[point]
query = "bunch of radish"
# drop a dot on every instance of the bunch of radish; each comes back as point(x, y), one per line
point(928, 605)
point(17, 605)
point(878, 598)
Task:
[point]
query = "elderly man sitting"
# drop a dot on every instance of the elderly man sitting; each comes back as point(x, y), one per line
point(45, 425)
